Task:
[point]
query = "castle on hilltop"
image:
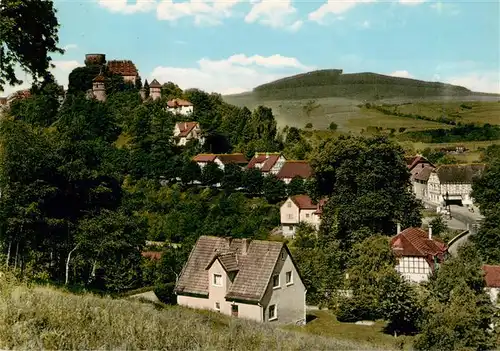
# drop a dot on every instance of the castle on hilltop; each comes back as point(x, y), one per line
point(129, 72)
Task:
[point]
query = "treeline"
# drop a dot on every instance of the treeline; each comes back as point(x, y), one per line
point(459, 133)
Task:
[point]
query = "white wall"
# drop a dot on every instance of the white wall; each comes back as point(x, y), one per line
point(415, 269)
point(278, 165)
point(493, 294)
point(183, 110)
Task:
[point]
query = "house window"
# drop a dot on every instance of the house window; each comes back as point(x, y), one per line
point(307, 215)
point(289, 278)
point(290, 216)
point(217, 306)
point(276, 281)
point(290, 227)
point(217, 280)
point(273, 313)
point(289, 204)
point(282, 255)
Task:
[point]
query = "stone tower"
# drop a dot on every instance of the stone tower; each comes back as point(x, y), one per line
point(155, 89)
point(98, 87)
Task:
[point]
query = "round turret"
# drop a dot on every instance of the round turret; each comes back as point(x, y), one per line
point(95, 59)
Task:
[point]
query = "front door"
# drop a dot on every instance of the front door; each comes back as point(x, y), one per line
point(234, 310)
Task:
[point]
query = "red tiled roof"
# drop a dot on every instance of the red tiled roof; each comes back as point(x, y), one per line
point(267, 159)
point(304, 202)
point(321, 203)
point(491, 276)
point(423, 174)
point(152, 255)
point(204, 157)
point(154, 84)
point(416, 242)
point(186, 127)
point(122, 67)
point(293, 169)
point(412, 161)
point(232, 158)
point(100, 78)
point(177, 102)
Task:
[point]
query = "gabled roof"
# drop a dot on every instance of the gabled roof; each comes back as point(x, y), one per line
point(204, 158)
point(412, 161)
point(266, 160)
point(186, 127)
point(122, 67)
point(154, 84)
point(491, 276)
point(293, 169)
point(424, 173)
point(463, 174)
point(178, 103)
point(228, 260)
point(303, 202)
point(99, 78)
point(237, 158)
point(416, 242)
point(255, 267)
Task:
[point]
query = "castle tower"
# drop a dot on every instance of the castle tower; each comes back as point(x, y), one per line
point(98, 87)
point(155, 89)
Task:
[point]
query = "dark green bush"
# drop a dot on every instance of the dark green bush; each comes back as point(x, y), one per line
point(165, 293)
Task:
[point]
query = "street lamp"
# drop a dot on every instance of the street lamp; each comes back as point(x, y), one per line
point(448, 203)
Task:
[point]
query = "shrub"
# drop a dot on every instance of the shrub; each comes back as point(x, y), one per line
point(309, 125)
point(165, 293)
point(333, 126)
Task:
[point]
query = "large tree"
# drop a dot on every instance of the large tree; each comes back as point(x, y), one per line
point(368, 185)
point(28, 34)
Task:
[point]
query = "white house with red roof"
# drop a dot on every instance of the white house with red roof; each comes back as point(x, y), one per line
point(418, 253)
point(293, 169)
point(180, 106)
point(297, 209)
point(220, 160)
point(492, 282)
point(267, 162)
point(186, 131)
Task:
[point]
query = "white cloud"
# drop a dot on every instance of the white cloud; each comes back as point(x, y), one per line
point(411, 2)
point(275, 14)
point(366, 24)
point(61, 72)
point(486, 81)
point(236, 74)
point(401, 74)
point(70, 47)
point(122, 6)
point(335, 7)
point(205, 12)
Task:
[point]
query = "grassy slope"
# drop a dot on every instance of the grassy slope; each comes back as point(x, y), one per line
point(36, 318)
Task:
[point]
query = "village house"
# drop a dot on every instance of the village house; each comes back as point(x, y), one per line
point(221, 159)
point(492, 282)
point(453, 184)
point(267, 162)
point(298, 209)
point(186, 131)
point(292, 169)
point(420, 169)
point(180, 106)
point(418, 253)
point(252, 279)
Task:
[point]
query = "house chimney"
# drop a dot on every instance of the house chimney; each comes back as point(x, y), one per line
point(228, 240)
point(430, 232)
point(398, 230)
point(246, 245)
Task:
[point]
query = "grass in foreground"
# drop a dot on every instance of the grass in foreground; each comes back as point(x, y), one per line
point(45, 318)
point(325, 324)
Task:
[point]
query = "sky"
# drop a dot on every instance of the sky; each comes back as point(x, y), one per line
point(231, 46)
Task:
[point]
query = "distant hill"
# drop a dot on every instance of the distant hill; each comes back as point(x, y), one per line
point(358, 86)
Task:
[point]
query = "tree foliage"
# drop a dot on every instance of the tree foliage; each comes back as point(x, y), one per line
point(30, 47)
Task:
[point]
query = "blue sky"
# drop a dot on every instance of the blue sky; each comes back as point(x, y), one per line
point(231, 46)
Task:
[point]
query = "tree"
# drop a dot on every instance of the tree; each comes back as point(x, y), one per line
point(374, 199)
point(438, 225)
point(190, 172)
point(146, 88)
point(458, 313)
point(333, 126)
point(487, 238)
point(211, 174)
point(232, 178)
point(171, 90)
point(295, 187)
point(253, 180)
point(28, 34)
point(293, 135)
point(274, 188)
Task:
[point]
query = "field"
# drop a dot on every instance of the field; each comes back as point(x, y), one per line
point(45, 318)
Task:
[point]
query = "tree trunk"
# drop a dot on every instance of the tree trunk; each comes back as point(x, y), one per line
point(17, 252)
point(67, 264)
point(92, 273)
point(7, 261)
